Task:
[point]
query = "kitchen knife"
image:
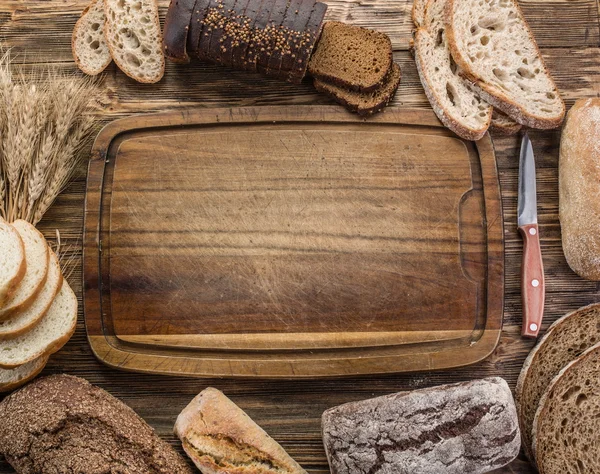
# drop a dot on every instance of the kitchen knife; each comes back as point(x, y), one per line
point(532, 269)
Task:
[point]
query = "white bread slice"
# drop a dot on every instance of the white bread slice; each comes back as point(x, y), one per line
point(418, 12)
point(36, 257)
point(14, 378)
point(88, 43)
point(53, 332)
point(502, 124)
point(456, 105)
point(24, 320)
point(495, 49)
point(566, 430)
point(12, 261)
point(565, 340)
point(133, 34)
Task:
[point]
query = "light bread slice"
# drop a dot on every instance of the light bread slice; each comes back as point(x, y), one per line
point(418, 12)
point(14, 378)
point(495, 49)
point(133, 34)
point(456, 105)
point(88, 43)
point(55, 329)
point(566, 430)
point(12, 261)
point(502, 124)
point(24, 320)
point(564, 341)
point(36, 258)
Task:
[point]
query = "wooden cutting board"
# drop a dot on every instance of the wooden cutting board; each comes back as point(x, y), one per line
point(291, 242)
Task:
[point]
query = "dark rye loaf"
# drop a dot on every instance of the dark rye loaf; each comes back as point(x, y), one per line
point(175, 32)
point(63, 425)
point(462, 428)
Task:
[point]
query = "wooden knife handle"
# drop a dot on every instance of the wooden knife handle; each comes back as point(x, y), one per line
point(532, 281)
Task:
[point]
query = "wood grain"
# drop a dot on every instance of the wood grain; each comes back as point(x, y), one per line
point(568, 31)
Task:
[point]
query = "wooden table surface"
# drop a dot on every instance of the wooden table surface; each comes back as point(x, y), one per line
point(568, 32)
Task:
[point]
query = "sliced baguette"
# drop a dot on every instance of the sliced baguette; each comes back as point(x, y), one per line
point(495, 49)
point(12, 261)
point(55, 329)
point(24, 320)
point(502, 124)
point(88, 43)
point(132, 31)
point(11, 379)
point(564, 341)
point(566, 429)
point(453, 101)
point(37, 260)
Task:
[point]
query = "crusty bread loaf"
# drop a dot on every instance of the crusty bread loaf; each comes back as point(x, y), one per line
point(495, 49)
point(221, 439)
point(564, 341)
point(37, 259)
point(133, 34)
point(12, 261)
point(24, 320)
point(579, 188)
point(502, 124)
point(54, 330)
point(88, 43)
point(462, 428)
point(352, 57)
point(61, 424)
point(11, 379)
point(566, 430)
point(453, 101)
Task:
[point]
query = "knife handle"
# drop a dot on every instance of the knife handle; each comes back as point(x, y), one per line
point(532, 281)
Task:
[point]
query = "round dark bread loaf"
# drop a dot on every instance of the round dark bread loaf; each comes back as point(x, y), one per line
point(63, 425)
point(176, 30)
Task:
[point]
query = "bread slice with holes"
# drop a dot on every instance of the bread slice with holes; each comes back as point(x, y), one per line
point(492, 44)
point(133, 34)
point(457, 106)
point(352, 57)
point(55, 329)
point(564, 341)
point(12, 261)
point(37, 260)
point(88, 43)
point(566, 429)
point(11, 379)
point(22, 321)
point(502, 124)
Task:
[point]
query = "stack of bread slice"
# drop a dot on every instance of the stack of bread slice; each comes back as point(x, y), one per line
point(558, 395)
point(38, 309)
point(481, 67)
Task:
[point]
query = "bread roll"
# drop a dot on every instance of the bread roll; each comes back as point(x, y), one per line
point(579, 188)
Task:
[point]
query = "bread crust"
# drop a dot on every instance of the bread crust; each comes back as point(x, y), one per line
point(176, 30)
point(491, 94)
point(312, 32)
point(35, 371)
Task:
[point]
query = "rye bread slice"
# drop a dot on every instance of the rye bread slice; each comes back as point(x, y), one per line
point(259, 35)
point(364, 103)
point(220, 20)
point(176, 30)
point(88, 44)
point(566, 429)
point(196, 26)
point(285, 38)
point(564, 341)
point(311, 35)
point(351, 56)
point(10, 379)
point(62, 424)
point(237, 33)
point(273, 37)
point(204, 40)
point(296, 21)
point(240, 50)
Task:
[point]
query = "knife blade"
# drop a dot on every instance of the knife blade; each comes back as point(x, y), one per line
point(532, 269)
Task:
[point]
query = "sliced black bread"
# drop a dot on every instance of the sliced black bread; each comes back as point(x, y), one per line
point(564, 341)
point(204, 40)
point(218, 19)
point(236, 33)
point(273, 37)
point(176, 30)
point(364, 103)
point(281, 37)
point(351, 57)
point(312, 32)
point(297, 20)
point(240, 49)
point(258, 41)
point(196, 27)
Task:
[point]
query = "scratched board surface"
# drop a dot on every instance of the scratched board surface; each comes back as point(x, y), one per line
point(301, 231)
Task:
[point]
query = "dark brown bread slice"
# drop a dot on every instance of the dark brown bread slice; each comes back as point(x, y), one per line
point(204, 40)
point(272, 36)
point(240, 51)
point(312, 32)
point(462, 428)
point(364, 103)
point(63, 425)
point(284, 36)
point(216, 19)
point(238, 33)
point(259, 37)
point(196, 27)
point(176, 29)
point(351, 56)
point(297, 19)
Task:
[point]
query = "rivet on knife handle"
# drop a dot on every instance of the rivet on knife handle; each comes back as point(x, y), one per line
point(532, 281)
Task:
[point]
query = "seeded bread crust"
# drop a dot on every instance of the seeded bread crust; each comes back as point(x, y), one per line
point(11, 379)
point(298, 17)
point(276, 57)
point(494, 95)
point(196, 27)
point(237, 32)
point(259, 35)
point(565, 429)
point(176, 30)
point(311, 36)
point(240, 51)
point(266, 58)
point(218, 20)
point(204, 40)
point(566, 339)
